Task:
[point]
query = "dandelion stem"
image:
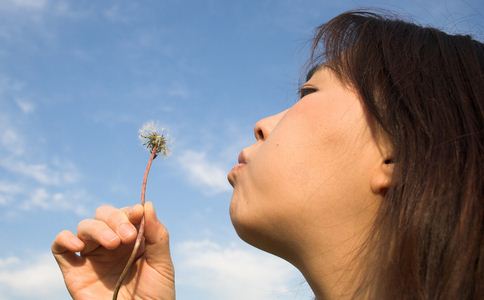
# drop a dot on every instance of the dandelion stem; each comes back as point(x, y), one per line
point(141, 230)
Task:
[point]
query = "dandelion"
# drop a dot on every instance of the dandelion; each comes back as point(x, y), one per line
point(154, 138)
point(152, 135)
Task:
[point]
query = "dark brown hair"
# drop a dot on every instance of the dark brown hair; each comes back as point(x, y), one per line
point(424, 91)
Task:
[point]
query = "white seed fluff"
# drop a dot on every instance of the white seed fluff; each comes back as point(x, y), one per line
point(152, 134)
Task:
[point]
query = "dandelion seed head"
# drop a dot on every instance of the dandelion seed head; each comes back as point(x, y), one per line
point(151, 135)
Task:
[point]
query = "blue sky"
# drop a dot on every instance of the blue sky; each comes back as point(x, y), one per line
point(79, 78)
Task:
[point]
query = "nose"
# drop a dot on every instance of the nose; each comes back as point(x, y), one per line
point(264, 127)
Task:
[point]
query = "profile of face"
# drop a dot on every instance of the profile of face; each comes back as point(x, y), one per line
point(314, 177)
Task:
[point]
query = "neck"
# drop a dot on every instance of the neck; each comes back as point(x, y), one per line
point(331, 274)
point(329, 278)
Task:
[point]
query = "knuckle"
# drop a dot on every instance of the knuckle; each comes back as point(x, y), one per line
point(53, 248)
point(114, 217)
point(63, 234)
point(57, 238)
point(60, 239)
point(91, 229)
point(102, 209)
point(125, 210)
point(83, 224)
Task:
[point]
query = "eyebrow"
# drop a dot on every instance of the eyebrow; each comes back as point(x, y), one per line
point(313, 70)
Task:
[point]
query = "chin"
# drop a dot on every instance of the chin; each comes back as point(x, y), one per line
point(240, 218)
point(262, 241)
point(249, 234)
point(254, 232)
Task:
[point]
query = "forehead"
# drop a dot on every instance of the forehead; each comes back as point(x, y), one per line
point(320, 74)
point(313, 70)
point(324, 77)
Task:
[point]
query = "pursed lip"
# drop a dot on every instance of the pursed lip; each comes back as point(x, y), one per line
point(242, 160)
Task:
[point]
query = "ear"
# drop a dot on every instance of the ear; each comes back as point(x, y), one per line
point(382, 177)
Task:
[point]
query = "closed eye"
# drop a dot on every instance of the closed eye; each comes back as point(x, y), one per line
point(304, 91)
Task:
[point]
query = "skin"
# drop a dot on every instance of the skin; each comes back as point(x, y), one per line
point(104, 252)
point(312, 184)
point(308, 192)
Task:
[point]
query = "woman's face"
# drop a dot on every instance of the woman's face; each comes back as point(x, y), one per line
point(308, 178)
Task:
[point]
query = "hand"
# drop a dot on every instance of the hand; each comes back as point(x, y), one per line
point(105, 244)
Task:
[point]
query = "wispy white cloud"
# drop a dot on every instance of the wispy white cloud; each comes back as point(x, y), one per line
point(63, 9)
point(11, 141)
point(27, 24)
point(218, 272)
point(5, 262)
point(22, 197)
point(48, 191)
point(114, 13)
point(56, 201)
point(25, 105)
point(8, 85)
point(59, 173)
point(36, 277)
point(9, 187)
point(8, 190)
point(24, 4)
point(235, 272)
point(59, 8)
point(49, 184)
point(204, 173)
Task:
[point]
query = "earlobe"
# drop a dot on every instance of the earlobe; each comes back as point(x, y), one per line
point(382, 177)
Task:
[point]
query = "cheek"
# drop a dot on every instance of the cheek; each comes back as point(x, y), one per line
point(282, 173)
point(261, 201)
point(301, 154)
point(306, 173)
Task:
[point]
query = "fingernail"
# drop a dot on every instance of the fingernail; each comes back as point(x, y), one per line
point(126, 230)
point(153, 209)
point(109, 236)
point(138, 206)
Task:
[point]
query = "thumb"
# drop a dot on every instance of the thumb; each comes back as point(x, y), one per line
point(157, 247)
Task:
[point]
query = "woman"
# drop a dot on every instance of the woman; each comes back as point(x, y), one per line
point(371, 184)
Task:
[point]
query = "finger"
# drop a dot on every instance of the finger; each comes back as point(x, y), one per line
point(118, 220)
point(157, 250)
point(96, 231)
point(134, 213)
point(64, 247)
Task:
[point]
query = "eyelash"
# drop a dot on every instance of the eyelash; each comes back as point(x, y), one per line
point(304, 91)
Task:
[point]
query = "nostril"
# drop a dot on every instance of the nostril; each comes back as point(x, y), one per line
point(259, 135)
